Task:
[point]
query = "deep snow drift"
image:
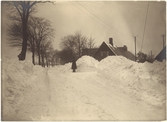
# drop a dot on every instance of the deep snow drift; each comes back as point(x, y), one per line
point(144, 81)
point(24, 86)
point(112, 89)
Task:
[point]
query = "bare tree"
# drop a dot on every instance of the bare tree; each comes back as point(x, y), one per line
point(65, 56)
point(14, 34)
point(20, 11)
point(90, 49)
point(55, 58)
point(46, 52)
point(32, 36)
point(74, 43)
point(44, 33)
point(91, 43)
point(39, 30)
point(81, 42)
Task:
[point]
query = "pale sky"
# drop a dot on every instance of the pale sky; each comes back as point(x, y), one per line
point(102, 20)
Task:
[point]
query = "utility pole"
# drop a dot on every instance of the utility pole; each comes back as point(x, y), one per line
point(135, 46)
point(163, 36)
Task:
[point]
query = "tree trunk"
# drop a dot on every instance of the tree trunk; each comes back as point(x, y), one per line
point(25, 35)
point(39, 57)
point(33, 53)
point(24, 44)
point(79, 47)
point(47, 64)
point(43, 63)
point(33, 58)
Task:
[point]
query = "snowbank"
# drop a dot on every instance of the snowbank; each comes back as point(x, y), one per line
point(144, 81)
point(22, 84)
point(124, 68)
point(66, 68)
point(27, 93)
point(86, 64)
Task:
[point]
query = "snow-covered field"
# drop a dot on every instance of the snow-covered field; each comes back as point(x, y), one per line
point(112, 89)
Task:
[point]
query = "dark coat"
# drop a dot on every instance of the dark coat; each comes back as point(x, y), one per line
point(74, 66)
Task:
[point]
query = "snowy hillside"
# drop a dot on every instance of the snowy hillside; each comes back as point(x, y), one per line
point(112, 89)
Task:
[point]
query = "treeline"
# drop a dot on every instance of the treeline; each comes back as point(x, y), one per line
point(39, 42)
point(142, 57)
point(30, 33)
point(72, 46)
point(35, 34)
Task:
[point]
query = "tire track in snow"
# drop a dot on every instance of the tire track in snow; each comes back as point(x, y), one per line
point(87, 96)
point(73, 87)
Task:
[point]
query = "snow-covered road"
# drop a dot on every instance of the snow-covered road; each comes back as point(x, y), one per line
point(113, 89)
point(86, 96)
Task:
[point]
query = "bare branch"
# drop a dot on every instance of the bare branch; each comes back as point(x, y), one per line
point(16, 6)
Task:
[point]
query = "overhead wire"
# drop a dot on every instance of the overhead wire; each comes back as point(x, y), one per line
point(103, 20)
point(85, 13)
point(116, 23)
point(145, 26)
point(88, 15)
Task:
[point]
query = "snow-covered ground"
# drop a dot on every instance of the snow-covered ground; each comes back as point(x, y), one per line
point(112, 89)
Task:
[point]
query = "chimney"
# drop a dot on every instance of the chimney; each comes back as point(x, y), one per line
point(111, 41)
point(125, 48)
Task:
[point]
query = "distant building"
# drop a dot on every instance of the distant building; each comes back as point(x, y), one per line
point(162, 55)
point(88, 51)
point(109, 49)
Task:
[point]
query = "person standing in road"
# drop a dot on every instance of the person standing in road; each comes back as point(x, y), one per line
point(74, 66)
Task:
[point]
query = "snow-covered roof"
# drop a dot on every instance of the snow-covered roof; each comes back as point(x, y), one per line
point(114, 49)
point(111, 48)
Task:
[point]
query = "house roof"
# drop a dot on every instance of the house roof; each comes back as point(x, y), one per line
point(127, 54)
point(162, 55)
point(114, 49)
point(120, 51)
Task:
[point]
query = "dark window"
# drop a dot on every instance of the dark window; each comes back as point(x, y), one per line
point(104, 53)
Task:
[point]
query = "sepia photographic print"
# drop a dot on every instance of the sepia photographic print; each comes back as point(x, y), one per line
point(83, 60)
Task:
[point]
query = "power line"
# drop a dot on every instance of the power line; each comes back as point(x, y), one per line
point(111, 19)
point(85, 13)
point(88, 15)
point(163, 37)
point(145, 26)
point(135, 46)
point(102, 20)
